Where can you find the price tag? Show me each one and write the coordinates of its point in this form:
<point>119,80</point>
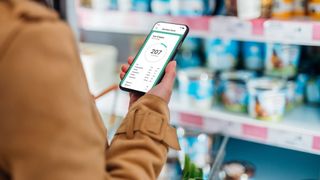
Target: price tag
<point>258,26</point>
<point>256,132</point>
<point>316,32</point>
<point>290,139</point>
<point>194,23</point>
<point>191,120</point>
<point>316,143</point>
<point>288,31</point>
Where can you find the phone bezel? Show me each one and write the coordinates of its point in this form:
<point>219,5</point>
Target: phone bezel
<point>171,58</point>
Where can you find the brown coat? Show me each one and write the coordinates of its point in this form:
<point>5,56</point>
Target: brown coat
<point>49,125</point>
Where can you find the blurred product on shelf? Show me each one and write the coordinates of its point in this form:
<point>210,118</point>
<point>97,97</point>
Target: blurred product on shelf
<point>210,6</point>
<point>267,99</point>
<point>189,54</point>
<point>295,91</point>
<point>134,5</point>
<point>244,9</point>
<point>99,63</point>
<point>114,5</point>
<point>161,7</point>
<point>85,3</point>
<point>100,4</point>
<point>266,8</point>
<point>196,86</point>
<point>282,59</point>
<point>290,92</point>
<point>314,9</point>
<point>300,89</point>
<point>172,169</point>
<point>188,59</point>
<point>234,93</point>
<point>249,9</point>
<point>254,55</point>
<point>198,146</point>
<point>124,5</point>
<point>188,8</point>
<point>313,90</point>
<point>231,7</point>
<point>141,5</point>
<point>222,54</point>
<point>220,7</point>
<point>299,8</point>
<point>237,170</point>
<point>314,53</point>
<point>282,9</point>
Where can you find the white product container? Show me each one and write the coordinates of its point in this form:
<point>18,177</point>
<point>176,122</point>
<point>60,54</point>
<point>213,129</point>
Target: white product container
<point>99,63</point>
<point>196,87</point>
<point>267,99</point>
<point>249,9</point>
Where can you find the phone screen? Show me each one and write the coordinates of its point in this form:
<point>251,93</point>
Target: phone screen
<point>158,49</point>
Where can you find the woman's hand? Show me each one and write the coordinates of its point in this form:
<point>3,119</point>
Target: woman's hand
<point>162,90</point>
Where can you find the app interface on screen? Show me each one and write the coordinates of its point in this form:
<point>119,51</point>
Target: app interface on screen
<point>154,55</point>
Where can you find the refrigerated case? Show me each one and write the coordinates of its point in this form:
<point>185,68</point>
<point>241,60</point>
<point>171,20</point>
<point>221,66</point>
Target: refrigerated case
<point>288,149</point>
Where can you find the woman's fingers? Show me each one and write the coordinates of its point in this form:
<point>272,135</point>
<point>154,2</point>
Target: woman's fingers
<point>124,68</point>
<point>130,60</point>
<point>164,89</point>
<point>169,76</point>
<point>122,75</point>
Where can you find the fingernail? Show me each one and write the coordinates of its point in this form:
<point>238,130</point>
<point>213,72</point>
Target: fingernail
<point>174,64</point>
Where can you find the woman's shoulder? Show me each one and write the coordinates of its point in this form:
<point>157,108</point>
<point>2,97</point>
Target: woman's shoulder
<point>32,11</point>
<point>25,18</point>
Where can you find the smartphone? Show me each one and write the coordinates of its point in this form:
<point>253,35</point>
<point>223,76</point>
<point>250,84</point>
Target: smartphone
<point>159,48</point>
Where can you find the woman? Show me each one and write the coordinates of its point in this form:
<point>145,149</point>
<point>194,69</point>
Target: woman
<point>49,125</point>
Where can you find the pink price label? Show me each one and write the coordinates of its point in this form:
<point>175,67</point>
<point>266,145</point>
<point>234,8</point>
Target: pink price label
<point>255,132</point>
<point>258,26</point>
<point>190,119</point>
<point>316,143</point>
<point>316,32</point>
<point>194,23</point>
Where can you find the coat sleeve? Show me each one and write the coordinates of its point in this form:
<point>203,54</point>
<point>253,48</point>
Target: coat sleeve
<point>139,148</point>
<point>50,123</point>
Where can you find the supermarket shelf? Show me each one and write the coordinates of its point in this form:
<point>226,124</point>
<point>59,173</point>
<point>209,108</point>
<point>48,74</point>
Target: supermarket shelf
<point>302,32</point>
<point>300,129</point>
<point>136,22</point>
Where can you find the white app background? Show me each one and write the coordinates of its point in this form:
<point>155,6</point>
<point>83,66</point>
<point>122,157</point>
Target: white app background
<point>151,60</point>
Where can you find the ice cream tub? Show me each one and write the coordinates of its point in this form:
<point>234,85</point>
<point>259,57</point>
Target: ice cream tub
<point>196,87</point>
<point>234,93</point>
<point>314,9</point>
<point>254,55</point>
<point>161,7</point>
<point>222,54</point>
<point>188,8</point>
<point>267,99</point>
<point>282,59</point>
<point>313,90</point>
